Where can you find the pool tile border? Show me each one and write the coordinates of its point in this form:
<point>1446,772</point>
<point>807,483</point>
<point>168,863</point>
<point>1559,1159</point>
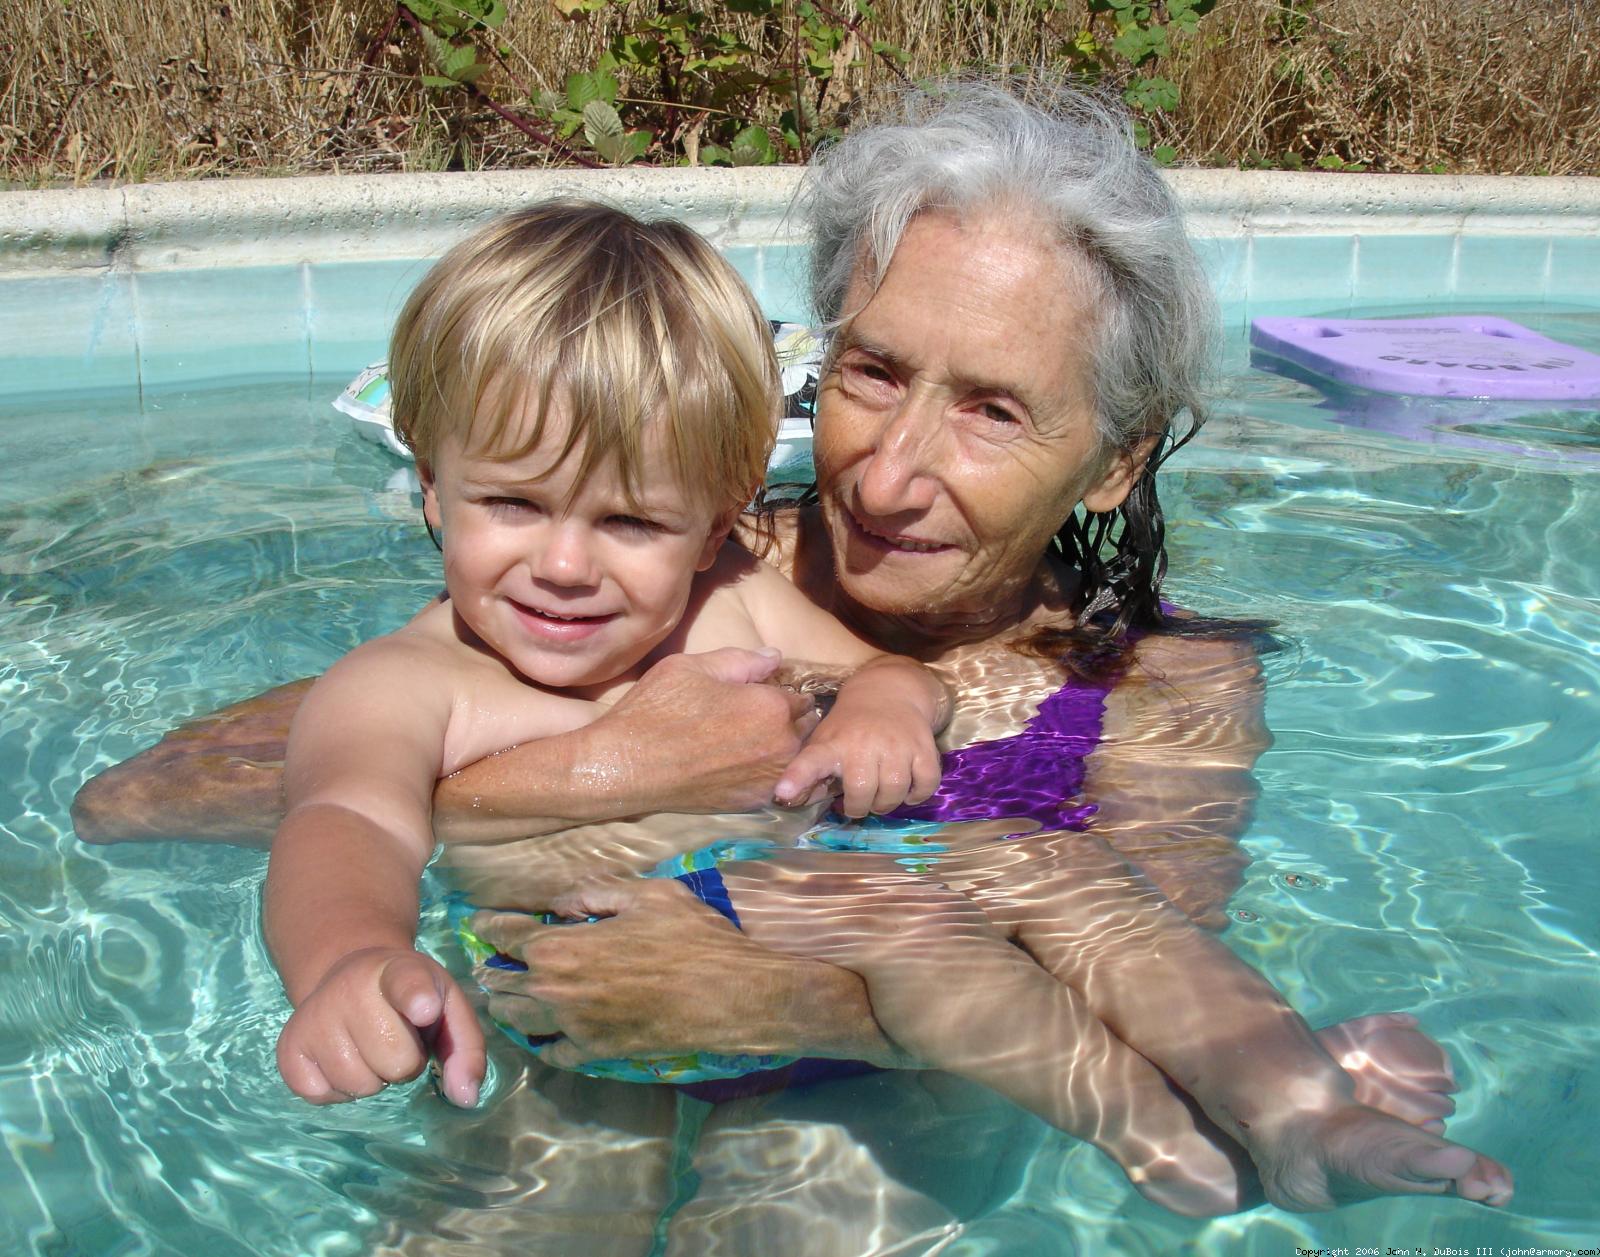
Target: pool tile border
<point>105,287</point>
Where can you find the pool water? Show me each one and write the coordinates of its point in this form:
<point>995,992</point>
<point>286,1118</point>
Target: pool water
<point>1424,839</point>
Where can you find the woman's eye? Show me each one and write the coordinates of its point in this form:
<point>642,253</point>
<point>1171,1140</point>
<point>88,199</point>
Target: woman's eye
<point>867,372</point>
<point>999,414</point>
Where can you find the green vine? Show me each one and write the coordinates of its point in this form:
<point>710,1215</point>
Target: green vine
<point>747,82</point>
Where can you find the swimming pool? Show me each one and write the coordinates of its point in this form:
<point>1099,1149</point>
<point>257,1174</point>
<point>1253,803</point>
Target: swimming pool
<point>1423,841</point>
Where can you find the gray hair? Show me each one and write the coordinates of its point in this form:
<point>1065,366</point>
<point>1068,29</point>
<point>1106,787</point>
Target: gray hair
<point>1064,157</point>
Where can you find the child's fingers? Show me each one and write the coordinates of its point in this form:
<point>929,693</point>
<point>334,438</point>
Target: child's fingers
<point>327,1072</point>
<point>458,1045</point>
<point>892,788</point>
<point>870,784</point>
<point>302,1074</point>
<point>926,772</point>
<point>814,764</point>
<point>412,987</point>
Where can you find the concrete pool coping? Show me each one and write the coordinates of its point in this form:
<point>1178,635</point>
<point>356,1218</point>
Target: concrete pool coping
<point>254,222</point>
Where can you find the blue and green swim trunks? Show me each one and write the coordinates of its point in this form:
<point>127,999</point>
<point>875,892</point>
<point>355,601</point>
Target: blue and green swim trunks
<point>700,872</point>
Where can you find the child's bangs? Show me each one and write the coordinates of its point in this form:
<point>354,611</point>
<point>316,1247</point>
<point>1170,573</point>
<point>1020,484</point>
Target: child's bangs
<point>567,383</point>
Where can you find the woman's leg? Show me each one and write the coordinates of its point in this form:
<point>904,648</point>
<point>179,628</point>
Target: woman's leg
<point>1209,1021</point>
<point>948,988</point>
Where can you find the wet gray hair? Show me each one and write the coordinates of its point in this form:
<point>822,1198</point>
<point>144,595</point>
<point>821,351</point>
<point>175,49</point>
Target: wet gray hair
<point>1067,160</point>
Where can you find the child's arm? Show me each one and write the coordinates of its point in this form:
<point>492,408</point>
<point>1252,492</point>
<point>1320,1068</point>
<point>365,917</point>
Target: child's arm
<point>341,900</point>
<point>878,739</point>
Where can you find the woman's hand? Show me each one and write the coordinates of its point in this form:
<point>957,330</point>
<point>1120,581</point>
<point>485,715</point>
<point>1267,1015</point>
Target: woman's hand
<point>664,974</point>
<point>698,733</point>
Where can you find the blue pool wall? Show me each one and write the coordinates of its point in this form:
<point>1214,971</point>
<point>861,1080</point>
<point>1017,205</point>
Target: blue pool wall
<point>156,286</point>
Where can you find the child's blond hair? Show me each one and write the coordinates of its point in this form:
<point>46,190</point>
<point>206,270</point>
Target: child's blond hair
<point>623,322</point>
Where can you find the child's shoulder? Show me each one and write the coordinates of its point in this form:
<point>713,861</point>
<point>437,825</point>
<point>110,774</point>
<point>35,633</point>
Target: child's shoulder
<point>425,649</point>
<point>737,573</point>
<point>728,602</point>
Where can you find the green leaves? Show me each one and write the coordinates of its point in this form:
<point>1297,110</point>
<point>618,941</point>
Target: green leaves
<point>752,147</point>
<point>603,129</point>
<point>1152,94</point>
<point>1123,42</point>
<point>748,82</point>
<point>457,17</point>
<point>596,84</point>
<point>741,83</point>
<point>457,64</point>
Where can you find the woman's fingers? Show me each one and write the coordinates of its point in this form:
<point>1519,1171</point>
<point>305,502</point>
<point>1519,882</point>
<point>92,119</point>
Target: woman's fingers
<point>522,1012</point>
<point>563,1054</point>
<point>610,896</point>
<point>734,666</point>
<point>507,932</point>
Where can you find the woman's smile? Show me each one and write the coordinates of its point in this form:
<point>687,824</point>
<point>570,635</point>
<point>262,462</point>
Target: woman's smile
<point>888,540</point>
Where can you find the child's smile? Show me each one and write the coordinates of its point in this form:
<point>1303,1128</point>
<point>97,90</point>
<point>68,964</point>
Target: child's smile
<point>572,584</point>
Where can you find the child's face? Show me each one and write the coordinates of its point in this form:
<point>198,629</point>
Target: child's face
<point>567,582</point>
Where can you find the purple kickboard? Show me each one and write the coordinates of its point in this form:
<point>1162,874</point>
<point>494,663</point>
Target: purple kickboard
<point>1465,356</point>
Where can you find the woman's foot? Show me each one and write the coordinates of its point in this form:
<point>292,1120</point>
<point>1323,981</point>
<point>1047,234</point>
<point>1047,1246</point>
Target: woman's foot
<point>1396,1068</point>
<point>1398,1073</point>
<point>1315,1161</point>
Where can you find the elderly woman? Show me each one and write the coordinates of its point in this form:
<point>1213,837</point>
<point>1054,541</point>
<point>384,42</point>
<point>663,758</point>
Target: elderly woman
<point>1017,318</point>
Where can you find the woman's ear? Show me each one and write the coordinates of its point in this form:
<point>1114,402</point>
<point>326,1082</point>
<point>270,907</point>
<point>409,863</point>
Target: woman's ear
<point>1117,480</point>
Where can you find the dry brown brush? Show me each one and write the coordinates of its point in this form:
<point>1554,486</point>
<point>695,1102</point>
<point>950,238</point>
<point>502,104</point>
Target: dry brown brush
<point>107,89</point>
<point>1472,86</point>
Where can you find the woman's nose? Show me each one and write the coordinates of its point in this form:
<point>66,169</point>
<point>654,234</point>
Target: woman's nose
<point>566,556</point>
<point>899,472</point>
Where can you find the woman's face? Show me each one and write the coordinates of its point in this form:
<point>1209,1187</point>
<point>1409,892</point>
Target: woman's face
<point>955,431</point>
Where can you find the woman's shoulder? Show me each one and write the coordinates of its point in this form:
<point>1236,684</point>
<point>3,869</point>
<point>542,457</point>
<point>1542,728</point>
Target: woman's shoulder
<point>1179,653</point>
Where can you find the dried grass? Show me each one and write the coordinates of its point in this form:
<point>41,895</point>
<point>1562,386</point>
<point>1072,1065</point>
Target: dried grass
<point>105,89</point>
<point>1470,86</point>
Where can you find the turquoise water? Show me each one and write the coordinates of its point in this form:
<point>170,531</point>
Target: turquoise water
<point>1424,839</point>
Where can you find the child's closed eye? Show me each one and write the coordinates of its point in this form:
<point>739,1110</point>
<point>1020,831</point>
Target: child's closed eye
<point>510,504</point>
<point>635,524</point>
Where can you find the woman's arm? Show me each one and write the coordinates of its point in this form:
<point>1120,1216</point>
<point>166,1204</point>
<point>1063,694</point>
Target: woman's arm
<point>693,735</point>
<point>1173,775</point>
<point>662,973</point>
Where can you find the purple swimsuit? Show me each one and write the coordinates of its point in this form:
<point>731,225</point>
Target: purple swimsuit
<point>1034,774</point>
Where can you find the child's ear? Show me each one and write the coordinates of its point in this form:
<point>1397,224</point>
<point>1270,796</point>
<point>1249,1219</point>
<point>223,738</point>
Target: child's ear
<point>720,528</point>
<point>1116,482</point>
<point>430,496</point>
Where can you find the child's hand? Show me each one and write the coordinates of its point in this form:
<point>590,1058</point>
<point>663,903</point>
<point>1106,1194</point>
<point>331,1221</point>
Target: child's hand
<point>373,1020</point>
<point>882,758</point>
